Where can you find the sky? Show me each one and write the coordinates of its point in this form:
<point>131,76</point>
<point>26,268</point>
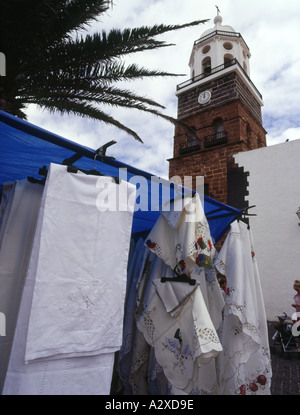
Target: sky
<point>270,28</point>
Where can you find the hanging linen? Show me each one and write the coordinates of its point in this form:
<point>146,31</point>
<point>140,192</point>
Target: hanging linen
<point>82,266</point>
<point>244,366</point>
<point>180,320</point>
<point>7,194</point>
<point>135,264</point>
<point>73,302</point>
<point>19,209</point>
<point>145,375</point>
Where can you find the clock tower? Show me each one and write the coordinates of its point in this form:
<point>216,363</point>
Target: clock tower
<point>221,107</point>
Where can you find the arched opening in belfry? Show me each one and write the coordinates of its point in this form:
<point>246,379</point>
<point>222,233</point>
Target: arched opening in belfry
<point>228,59</point>
<point>206,65</point>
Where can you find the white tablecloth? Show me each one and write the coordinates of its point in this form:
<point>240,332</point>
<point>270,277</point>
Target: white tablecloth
<point>180,321</point>
<point>81,270</point>
<point>245,364</point>
<point>73,299</point>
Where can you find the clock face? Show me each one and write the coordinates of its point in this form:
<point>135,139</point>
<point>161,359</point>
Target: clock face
<point>204,97</point>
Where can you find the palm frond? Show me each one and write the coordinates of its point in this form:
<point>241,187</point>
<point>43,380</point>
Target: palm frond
<point>32,25</point>
<point>118,42</point>
<point>86,110</point>
<point>50,67</point>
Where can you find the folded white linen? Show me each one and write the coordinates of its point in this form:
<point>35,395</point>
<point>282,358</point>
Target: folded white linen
<point>81,268</point>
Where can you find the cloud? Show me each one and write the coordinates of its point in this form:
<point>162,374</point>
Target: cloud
<point>270,29</point>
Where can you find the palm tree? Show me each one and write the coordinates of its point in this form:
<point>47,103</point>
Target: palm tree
<point>50,63</point>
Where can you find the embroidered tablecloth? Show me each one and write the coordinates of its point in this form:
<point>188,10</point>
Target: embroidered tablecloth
<point>244,367</point>
<point>177,321</point>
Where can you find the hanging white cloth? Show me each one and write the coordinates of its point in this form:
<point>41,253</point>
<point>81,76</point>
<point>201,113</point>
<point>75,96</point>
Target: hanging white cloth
<point>19,209</point>
<point>7,195</point>
<point>244,366</point>
<point>79,293</point>
<point>136,266</point>
<point>177,320</point>
<point>73,299</point>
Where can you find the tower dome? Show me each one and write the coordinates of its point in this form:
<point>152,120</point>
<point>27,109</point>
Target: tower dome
<point>218,26</point>
<point>218,46</point>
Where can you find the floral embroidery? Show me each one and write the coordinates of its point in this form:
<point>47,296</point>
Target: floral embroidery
<point>204,261</point>
<point>151,244</point>
<point>181,264</point>
<point>254,386</point>
<point>201,243</point>
<point>79,307</point>
<point>261,379</point>
<point>199,258</point>
<point>230,290</point>
<point>176,346</point>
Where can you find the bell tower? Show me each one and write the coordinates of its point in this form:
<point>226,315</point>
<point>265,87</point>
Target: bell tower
<point>222,108</point>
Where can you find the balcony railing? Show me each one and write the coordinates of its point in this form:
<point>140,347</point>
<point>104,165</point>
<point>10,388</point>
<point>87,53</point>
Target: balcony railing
<point>212,140</point>
<point>215,139</point>
<point>215,70</point>
<point>219,33</point>
<point>190,146</point>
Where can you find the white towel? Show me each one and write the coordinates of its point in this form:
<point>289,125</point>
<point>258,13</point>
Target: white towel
<point>78,299</point>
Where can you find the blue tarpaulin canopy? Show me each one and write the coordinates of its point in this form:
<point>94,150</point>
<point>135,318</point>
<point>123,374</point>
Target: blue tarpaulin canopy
<point>25,149</point>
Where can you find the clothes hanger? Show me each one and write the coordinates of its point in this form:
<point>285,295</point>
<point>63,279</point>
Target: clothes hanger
<point>244,215</point>
<point>42,172</point>
<point>73,169</point>
<point>100,153</point>
<point>179,277</point>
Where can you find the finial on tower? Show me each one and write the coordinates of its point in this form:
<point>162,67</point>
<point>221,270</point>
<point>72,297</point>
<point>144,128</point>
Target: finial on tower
<point>218,19</point>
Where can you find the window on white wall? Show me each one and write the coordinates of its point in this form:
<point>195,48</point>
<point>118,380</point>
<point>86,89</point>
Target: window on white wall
<point>227,45</point>
<point>205,49</point>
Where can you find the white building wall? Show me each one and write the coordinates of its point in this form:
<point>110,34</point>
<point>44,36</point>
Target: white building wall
<point>274,187</point>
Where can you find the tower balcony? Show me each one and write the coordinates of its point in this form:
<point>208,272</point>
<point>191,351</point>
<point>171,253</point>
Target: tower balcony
<point>228,66</point>
<point>190,146</point>
<point>216,139</point>
<point>212,140</point>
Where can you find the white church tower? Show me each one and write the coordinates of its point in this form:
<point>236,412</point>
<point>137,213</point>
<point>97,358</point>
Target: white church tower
<point>222,108</point>
<point>218,47</point>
